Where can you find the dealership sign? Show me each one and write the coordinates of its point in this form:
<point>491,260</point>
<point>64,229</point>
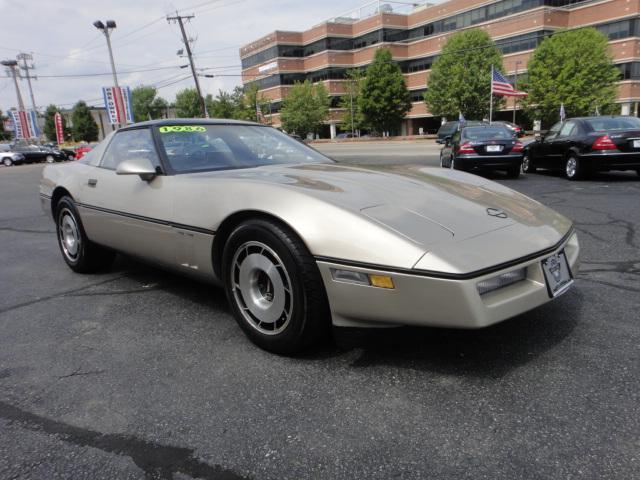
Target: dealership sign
<point>25,124</point>
<point>117,101</point>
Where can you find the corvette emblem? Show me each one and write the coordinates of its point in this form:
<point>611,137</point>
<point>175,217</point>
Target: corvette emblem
<point>496,212</point>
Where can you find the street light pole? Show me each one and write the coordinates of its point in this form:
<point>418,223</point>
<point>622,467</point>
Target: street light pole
<point>106,29</point>
<point>12,66</point>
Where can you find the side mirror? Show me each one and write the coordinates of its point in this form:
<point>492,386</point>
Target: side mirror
<point>137,166</point>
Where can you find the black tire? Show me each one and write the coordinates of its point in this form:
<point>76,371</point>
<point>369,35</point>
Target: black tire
<point>86,257</point>
<point>71,158</point>
<point>574,169</point>
<point>527,164</point>
<point>7,161</point>
<point>304,319</point>
<point>513,172</point>
<point>638,172</point>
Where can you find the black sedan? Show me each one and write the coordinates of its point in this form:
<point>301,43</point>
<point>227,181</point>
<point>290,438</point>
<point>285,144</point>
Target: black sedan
<point>581,146</point>
<point>448,129</point>
<point>34,153</point>
<point>482,148</point>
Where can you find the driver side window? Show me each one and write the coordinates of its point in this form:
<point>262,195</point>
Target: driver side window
<point>130,144</point>
<point>553,132</point>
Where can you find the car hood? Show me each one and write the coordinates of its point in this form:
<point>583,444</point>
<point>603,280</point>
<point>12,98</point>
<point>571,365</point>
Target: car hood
<point>442,211</point>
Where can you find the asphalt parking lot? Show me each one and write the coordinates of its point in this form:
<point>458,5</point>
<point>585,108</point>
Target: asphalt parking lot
<point>136,373</point>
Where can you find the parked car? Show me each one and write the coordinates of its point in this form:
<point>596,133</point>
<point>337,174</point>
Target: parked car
<point>448,129</point>
<point>81,150</point>
<point>517,130</point>
<point>344,135</point>
<point>34,153</point>
<point>299,242</point>
<point>8,158</point>
<point>483,147</point>
<point>581,146</point>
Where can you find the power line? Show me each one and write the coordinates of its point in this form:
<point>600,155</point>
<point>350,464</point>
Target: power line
<point>101,74</point>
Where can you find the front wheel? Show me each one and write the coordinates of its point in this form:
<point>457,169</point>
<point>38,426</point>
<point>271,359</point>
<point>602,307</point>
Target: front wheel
<point>527,164</point>
<point>274,287</point>
<point>7,162</point>
<point>49,159</point>
<point>79,253</point>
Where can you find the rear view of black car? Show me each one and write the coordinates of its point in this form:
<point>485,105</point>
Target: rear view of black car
<point>581,146</point>
<point>483,148</point>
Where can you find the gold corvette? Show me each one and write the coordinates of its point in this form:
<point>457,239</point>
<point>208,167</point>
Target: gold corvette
<point>300,242</point>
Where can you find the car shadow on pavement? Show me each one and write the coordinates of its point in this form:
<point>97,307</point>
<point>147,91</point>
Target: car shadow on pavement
<point>488,352</point>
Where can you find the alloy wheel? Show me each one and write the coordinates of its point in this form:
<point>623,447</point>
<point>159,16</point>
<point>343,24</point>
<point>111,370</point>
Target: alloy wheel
<point>261,288</point>
<point>571,167</point>
<point>69,233</point>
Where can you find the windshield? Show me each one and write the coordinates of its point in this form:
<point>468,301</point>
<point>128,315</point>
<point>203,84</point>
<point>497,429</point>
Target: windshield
<point>613,123</point>
<point>486,133</point>
<point>193,148</point>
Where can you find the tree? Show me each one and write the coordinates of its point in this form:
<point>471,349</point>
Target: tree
<point>3,134</point>
<point>305,108</point>
<point>188,104</point>
<point>50,123</point>
<point>224,105</point>
<point>384,98</point>
<point>460,78</point>
<point>349,102</point>
<point>146,105</point>
<point>84,127</point>
<point>248,102</point>
<point>572,68</point>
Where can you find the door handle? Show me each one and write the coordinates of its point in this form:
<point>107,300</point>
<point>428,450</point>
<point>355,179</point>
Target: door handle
<point>92,182</point>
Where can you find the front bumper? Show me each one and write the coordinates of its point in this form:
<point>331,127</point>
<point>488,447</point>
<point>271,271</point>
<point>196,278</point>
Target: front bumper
<point>488,162</point>
<point>424,300</point>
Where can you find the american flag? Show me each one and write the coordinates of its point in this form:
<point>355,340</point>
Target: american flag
<point>500,86</point>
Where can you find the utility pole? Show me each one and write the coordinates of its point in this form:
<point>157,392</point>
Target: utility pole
<point>178,18</point>
<point>12,66</point>
<point>26,67</point>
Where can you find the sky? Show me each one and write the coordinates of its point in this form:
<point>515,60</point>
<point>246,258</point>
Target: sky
<point>63,41</point>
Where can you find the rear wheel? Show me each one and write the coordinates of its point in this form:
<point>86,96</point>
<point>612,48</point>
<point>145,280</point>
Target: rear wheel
<point>274,288</point>
<point>80,253</point>
<point>573,168</point>
<point>49,159</point>
<point>7,162</point>
<point>527,164</point>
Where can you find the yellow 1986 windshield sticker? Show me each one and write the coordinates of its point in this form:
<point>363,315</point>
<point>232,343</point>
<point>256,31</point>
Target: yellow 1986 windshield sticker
<point>182,128</point>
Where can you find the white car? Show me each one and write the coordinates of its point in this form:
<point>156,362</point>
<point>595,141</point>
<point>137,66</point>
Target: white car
<point>300,242</point>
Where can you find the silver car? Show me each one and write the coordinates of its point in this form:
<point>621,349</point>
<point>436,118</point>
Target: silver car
<point>299,242</point>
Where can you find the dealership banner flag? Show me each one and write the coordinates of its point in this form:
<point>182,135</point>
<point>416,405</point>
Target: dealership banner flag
<point>117,101</point>
<point>25,124</point>
<point>57,118</point>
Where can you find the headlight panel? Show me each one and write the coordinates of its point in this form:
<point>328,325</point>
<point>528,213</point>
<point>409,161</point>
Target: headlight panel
<point>501,281</point>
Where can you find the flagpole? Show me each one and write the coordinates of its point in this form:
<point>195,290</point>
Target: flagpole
<point>491,97</point>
